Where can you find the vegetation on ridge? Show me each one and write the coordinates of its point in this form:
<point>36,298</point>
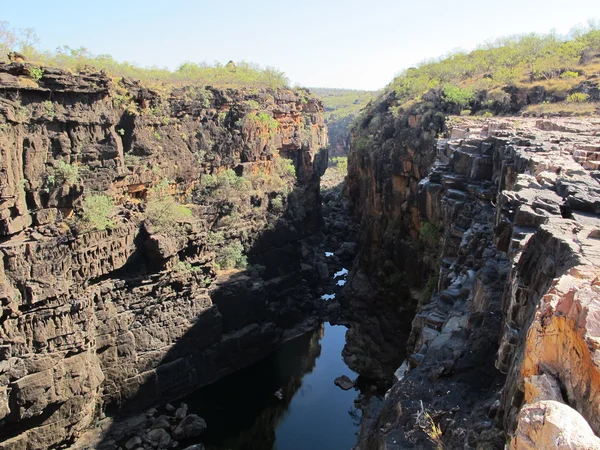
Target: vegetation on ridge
<point>79,59</point>
<point>340,103</point>
<point>558,64</point>
<point>341,107</point>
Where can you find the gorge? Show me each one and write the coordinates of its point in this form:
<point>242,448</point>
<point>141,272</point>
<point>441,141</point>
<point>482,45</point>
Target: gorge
<point>179,264</point>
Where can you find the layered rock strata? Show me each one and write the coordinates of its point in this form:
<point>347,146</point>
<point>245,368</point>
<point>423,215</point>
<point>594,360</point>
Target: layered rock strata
<point>135,314</point>
<point>511,323</point>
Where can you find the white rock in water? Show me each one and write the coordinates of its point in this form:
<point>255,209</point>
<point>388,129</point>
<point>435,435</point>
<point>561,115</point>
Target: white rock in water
<point>341,282</point>
<point>328,254</point>
<point>327,296</point>
<point>341,273</point>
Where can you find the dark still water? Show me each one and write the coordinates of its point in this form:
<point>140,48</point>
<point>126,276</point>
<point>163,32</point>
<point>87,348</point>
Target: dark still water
<point>243,412</point>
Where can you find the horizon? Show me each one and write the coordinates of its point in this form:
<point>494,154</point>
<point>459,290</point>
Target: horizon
<point>330,55</point>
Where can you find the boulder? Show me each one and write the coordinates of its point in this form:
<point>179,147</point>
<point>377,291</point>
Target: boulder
<point>344,382</point>
<point>189,427</point>
<point>134,442</point>
<point>552,425</point>
<point>181,411</point>
<point>161,422</point>
<point>158,438</point>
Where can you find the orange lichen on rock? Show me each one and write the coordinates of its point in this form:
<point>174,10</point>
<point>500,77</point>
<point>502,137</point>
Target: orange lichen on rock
<point>563,340</point>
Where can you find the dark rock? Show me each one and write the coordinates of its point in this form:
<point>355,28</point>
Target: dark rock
<point>181,411</point>
<point>344,382</point>
<point>133,443</point>
<point>158,438</point>
<point>323,271</point>
<point>170,408</point>
<point>189,427</point>
<point>161,422</point>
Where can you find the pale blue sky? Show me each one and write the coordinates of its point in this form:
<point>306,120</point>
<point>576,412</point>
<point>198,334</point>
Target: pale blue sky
<point>337,43</point>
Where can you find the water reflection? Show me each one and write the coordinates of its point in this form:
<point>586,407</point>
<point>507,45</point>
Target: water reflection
<point>243,411</point>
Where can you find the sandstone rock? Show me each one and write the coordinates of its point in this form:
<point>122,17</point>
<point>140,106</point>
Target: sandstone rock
<point>548,425</point>
<point>344,382</point>
<point>189,427</point>
<point>542,387</point>
<point>4,407</point>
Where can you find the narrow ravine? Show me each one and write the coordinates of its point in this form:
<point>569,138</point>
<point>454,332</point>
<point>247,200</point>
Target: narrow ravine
<point>244,412</point>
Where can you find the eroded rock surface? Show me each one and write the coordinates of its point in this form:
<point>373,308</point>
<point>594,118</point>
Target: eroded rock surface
<point>134,315</point>
<point>513,313</point>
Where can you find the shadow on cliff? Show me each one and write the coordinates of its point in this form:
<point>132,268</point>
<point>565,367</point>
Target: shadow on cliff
<point>249,315</point>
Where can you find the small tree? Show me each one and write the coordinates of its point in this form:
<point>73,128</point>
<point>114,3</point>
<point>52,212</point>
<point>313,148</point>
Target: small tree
<point>231,256</point>
<point>460,97</point>
<point>162,210</point>
<point>97,213</point>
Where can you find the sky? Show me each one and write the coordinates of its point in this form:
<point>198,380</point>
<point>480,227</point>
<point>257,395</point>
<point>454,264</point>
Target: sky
<point>327,43</point>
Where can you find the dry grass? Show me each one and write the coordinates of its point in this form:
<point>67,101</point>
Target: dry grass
<point>562,109</point>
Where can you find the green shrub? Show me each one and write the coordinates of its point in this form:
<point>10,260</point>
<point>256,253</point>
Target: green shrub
<point>459,96</point>
<point>277,204</point>
<point>36,73</point>
<point>267,120</point>
<point>162,210</point>
<point>224,181</point>
<point>231,256</point>
<point>465,112</point>
<point>568,75</point>
<point>341,163</point>
<point>578,97</point>
<point>97,212</point>
<point>49,110</point>
<point>215,238</point>
<point>186,267</point>
<point>62,174</point>
<point>252,104</point>
<point>285,167</point>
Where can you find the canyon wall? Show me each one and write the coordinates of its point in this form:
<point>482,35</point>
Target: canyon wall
<point>495,230</point>
<point>134,313</point>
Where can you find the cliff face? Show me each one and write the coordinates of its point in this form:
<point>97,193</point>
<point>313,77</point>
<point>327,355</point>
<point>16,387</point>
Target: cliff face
<point>389,157</point>
<point>506,215</point>
<point>135,313</point>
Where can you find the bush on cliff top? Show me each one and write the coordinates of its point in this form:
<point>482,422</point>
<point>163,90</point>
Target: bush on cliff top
<point>76,59</point>
<point>510,60</point>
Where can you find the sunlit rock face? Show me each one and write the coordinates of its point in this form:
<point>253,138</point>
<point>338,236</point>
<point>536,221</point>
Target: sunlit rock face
<point>134,314</point>
<point>504,215</point>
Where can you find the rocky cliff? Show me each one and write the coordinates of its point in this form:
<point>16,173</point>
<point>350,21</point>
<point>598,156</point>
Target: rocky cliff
<point>494,231</point>
<point>130,304</point>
